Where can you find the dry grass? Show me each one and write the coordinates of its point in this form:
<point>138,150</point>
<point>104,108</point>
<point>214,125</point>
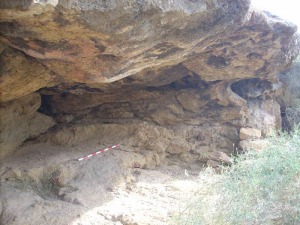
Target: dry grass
<point>46,187</point>
<point>260,188</point>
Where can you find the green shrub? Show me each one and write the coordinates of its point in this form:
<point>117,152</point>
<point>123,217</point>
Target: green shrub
<point>260,188</point>
<point>293,116</point>
<point>290,100</point>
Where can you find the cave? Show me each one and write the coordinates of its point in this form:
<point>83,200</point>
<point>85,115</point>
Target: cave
<point>95,94</point>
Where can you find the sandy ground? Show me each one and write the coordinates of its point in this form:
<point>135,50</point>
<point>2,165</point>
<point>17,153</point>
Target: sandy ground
<point>44,184</point>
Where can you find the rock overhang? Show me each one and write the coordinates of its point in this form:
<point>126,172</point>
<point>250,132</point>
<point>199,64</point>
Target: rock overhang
<point>97,44</point>
<point>102,42</point>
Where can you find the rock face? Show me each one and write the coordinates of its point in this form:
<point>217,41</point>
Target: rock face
<point>21,74</point>
<point>175,78</point>
<point>179,83</point>
<point>101,42</point>
<point>20,121</point>
<point>249,133</point>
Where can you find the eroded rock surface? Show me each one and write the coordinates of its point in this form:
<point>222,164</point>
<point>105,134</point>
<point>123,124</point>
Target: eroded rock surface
<point>194,72</point>
<point>21,121</point>
<point>101,42</point>
<point>21,74</point>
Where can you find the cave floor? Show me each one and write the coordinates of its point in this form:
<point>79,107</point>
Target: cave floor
<point>44,184</point>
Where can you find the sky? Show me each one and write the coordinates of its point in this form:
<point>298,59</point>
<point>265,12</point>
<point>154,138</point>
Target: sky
<point>287,9</point>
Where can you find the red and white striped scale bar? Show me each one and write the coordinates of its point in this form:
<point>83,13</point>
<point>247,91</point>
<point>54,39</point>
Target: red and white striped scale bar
<point>100,151</point>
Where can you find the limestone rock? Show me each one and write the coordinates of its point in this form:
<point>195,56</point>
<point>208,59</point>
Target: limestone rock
<point>222,56</point>
<point>264,115</point>
<point>217,156</point>
<point>61,119</point>
<point>224,95</point>
<point>151,137</point>
<point>167,80</point>
<point>249,133</point>
<point>140,73</point>
<point>21,75</point>
<point>164,117</point>
<point>257,88</point>
<point>140,43</point>
<point>178,147</point>
<point>134,160</point>
<point>191,100</point>
<point>20,121</point>
<point>187,157</point>
<point>209,138</point>
<point>109,133</point>
<point>152,159</point>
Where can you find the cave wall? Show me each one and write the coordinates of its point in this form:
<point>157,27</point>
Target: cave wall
<point>191,79</point>
<point>190,118</point>
<point>21,121</point>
